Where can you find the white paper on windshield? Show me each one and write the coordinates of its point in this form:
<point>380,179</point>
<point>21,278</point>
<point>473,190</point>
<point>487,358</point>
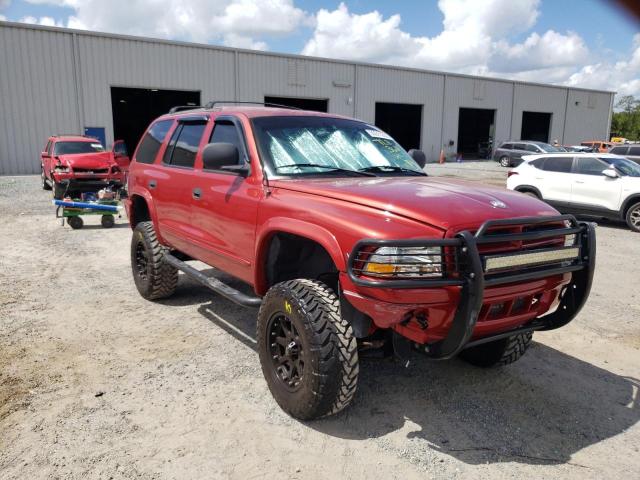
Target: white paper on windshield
<point>96,145</point>
<point>377,134</point>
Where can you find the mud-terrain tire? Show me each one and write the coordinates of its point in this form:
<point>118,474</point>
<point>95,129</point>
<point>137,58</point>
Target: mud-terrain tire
<point>45,184</point>
<point>59,190</point>
<point>299,321</point>
<point>153,277</point>
<point>499,352</point>
<point>505,161</point>
<point>633,217</point>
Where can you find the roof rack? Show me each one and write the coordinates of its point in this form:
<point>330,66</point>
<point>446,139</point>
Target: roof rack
<point>182,108</point>
<point>213,103</point>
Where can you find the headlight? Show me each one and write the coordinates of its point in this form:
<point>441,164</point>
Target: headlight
<point>62,169</point>
<point>407,262</point>
<point>115,169</point>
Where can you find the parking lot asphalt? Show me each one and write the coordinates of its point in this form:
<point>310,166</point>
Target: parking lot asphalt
<point>96,382</point>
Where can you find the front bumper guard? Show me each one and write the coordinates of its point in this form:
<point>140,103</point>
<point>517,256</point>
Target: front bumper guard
<point>472,278</point>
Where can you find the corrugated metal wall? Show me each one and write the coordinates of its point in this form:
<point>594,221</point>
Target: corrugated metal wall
<point>58,81</point>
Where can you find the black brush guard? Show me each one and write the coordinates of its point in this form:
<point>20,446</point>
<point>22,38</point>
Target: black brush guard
<point>471,277</point>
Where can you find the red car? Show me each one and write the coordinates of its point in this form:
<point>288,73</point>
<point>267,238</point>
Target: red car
<point>345,244</point>
<point>71,164</point>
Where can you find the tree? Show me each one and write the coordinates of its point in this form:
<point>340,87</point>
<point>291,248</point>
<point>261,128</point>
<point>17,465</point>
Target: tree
<point>625,121</point>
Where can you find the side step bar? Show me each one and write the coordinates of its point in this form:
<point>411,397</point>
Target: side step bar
<point>214,284</point>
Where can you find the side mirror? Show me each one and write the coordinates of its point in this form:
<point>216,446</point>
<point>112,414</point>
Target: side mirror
<point>610,173</point>
<point>223,156</point>
<point>419,157</point>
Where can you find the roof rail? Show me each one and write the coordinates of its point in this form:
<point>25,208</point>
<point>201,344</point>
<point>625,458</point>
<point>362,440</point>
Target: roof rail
<point>72,135</point>
<point>182,108</point>
<point>213,103</point>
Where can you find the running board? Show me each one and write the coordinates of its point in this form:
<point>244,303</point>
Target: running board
<point>214,284</point>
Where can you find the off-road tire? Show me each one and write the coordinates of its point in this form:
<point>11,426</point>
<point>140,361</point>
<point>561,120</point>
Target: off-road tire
<point>330,351</point>
<point>75,222</point>
<point>499,352</point>
<point>505,161</point>
<point>59,190</point>
<point>157,279</point>
<point>45,184</point>
<point>107,221</point>
<point>633,217</point>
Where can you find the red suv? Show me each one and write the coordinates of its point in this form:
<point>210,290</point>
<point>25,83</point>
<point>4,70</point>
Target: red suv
<point>346,243</point>
<point>72,164</point>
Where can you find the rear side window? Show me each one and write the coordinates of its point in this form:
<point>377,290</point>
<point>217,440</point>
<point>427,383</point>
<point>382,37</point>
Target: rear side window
<point>226,132</point>
<point>558,164</point>
<point>518,146</point>
<point>183,147</point>
<point>634,151</point>
<point>589,166</point>
<point>152,140</point>
<point>507,146</point>
<point>539,163</point>
<point>619,150</point>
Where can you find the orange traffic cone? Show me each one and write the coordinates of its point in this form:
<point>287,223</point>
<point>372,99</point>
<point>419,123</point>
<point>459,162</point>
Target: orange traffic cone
<point>441,159</point>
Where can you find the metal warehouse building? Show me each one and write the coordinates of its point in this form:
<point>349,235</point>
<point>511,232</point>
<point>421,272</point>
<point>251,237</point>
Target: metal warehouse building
<point>55,80</point>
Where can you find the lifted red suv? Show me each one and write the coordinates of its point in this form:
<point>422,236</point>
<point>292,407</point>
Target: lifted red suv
<point>72,164</point>
<point>347,243</point>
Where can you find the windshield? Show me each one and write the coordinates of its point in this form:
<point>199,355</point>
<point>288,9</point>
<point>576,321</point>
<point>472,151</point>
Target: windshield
<point>623,165</point>
<point>312,145</point>
<point>69,148</point>
<point>550,148</point>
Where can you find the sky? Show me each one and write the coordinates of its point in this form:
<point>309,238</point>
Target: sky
<point>583,43</point>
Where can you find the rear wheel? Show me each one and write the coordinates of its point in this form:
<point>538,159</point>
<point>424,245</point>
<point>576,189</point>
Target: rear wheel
<point>107,221</point>
<point>308,353</point>
<point>153,277</point>
<point>531,194</point>
<point>499,352</point>
<point>633,217</point>
<point>505,161</point>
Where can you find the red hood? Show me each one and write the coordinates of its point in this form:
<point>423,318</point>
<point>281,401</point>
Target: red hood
<point>88,160</point>
<point>438,202</point>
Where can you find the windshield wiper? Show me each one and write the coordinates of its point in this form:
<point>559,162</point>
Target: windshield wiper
<point>328,168</point>
<point>391,168</point>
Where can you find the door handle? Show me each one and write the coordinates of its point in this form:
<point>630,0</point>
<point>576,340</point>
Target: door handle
<point>152,184</point>
<point>196,193</point>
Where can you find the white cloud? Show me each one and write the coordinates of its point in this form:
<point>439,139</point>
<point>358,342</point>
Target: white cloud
<point>474,39</point>
<point>236,22</point>
<point>47,21</point>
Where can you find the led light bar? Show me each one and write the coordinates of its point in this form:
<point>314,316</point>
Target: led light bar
<point>501,262</point>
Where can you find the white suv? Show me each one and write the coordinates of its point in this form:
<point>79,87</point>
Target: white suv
<point>596,184</point>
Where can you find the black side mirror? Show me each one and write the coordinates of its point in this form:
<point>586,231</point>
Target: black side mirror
<point>419,157</point>
<point>223,156</point>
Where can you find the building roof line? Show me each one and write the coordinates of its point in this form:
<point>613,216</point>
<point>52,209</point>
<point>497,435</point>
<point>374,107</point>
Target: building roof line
<point>182,43</point>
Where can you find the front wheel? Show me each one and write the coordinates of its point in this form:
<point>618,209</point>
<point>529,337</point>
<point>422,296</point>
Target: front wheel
<point>633,217</point>
<point>499,352</point>
<point>59,190</point>
<point>505,161</point>
<point>153,277</point>
<point>308,353</point>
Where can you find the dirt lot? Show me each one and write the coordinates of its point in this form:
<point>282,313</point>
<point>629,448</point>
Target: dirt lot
<point>96,382</point>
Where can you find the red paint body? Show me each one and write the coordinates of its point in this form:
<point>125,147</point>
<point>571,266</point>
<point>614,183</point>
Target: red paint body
<point>96,166</point>
<point>230,226</point>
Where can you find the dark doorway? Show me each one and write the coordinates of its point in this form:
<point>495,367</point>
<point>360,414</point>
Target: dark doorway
<point>402,121</point>
<point>313,104</point>
<point>475,132</point>
<point>135,108</point>
<point>535,126</point>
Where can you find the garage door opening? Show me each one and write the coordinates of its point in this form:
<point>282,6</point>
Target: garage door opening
<point>135,108</point>
<point>476,128</point>
<point>535,126</point>
<point>314,104</point>
<point>402,121</point>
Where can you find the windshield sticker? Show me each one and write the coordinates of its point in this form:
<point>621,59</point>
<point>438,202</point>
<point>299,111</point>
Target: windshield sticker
<point>377,133</point>
<point>96,145</point>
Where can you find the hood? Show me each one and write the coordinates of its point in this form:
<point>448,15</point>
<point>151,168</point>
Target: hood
<point>88,160</point>
<point>442,203</point>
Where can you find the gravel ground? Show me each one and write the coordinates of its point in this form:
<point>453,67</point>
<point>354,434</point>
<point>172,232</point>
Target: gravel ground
<point>96,382</point>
